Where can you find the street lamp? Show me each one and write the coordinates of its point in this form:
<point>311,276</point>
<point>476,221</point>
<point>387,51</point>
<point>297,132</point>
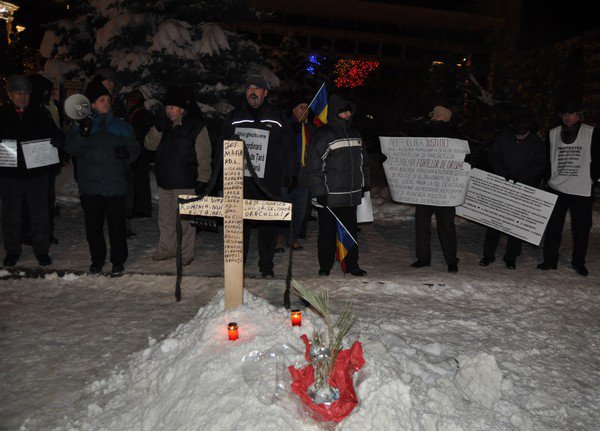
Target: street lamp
<point>6,13</point>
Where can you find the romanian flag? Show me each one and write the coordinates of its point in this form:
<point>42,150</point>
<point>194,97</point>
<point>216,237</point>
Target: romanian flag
<point>302,143</point>
<point>344,241</point>
<point>319,106</point>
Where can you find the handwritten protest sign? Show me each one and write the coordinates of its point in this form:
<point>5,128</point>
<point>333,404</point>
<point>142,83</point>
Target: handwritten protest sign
<point>39,153</point>
<point>513,208</point>
<point>8,153</point>
<point>426,171</point>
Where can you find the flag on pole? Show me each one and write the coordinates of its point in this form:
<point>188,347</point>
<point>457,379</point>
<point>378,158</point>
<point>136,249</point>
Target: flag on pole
<point>344,242</point>
<point>302,143</point>
<point>319,106</point>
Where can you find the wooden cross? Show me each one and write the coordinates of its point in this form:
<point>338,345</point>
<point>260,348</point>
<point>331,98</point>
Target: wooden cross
<point>234,209</point>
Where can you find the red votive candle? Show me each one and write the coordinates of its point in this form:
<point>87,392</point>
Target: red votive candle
<point>232,331</point>
<point>296,318</point>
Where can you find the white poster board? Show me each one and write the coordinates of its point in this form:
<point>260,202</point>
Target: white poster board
<point>426,171</point>
<point>8,153</point>
<point>39,153</point>
<point>364,212</point>
<point>513,208</point>
<point>257,142</point>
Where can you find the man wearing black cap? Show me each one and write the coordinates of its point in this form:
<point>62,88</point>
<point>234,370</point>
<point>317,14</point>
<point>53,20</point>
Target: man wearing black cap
<point>183,167</point>
<point>268,137</point>
<point>104,146</point>
<point>517,154</point>
<point>575,167</point>
<point>21,122</point>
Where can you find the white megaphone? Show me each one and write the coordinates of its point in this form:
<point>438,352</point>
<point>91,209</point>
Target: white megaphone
<point>77,107</point>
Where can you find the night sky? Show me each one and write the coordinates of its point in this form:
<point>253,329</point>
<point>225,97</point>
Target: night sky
<point>543,21</point>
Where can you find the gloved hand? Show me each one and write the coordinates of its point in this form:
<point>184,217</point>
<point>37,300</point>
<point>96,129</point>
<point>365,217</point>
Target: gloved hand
<point>161,122</point>
<point>58,140</point>
<point>322,200</point>
<point>201,189</point>
<point>85,126</point>
<point>291,185</point>
<point>121,152</point>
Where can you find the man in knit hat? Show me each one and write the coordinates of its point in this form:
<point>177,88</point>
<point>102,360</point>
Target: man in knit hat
<point>104,147</point>
<point>21,122</point>
<point>183,166</point>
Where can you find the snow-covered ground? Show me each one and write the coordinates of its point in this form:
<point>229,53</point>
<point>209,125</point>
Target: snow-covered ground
<point>487,348</point>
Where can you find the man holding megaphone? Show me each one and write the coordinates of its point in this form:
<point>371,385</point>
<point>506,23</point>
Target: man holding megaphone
<point>104,146</point>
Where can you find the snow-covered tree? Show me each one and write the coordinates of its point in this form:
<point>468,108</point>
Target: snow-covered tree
<point>153,44</point>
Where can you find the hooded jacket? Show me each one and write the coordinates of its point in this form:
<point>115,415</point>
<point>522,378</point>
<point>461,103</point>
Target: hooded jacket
<point>337,163</point>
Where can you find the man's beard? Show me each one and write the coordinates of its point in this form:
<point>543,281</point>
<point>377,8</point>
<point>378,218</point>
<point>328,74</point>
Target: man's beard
<point>254,101</point>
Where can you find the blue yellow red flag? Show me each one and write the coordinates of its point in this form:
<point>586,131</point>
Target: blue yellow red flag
<point>319,106</point>
<point>344,242</point>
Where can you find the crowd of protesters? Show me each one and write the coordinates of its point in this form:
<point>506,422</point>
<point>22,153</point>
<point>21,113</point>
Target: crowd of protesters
<point>113,146</point>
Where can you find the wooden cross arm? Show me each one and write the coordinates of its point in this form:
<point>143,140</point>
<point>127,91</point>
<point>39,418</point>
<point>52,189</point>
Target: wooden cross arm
<point>254,209</point>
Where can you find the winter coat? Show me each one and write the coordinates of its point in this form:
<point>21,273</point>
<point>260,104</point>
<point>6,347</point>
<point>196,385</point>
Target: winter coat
<point>280,159</point>
<point>522,161</point>
<point>100,171</point>
<point>176,156</point>
<point>337,163</point>
<point>32,124</point>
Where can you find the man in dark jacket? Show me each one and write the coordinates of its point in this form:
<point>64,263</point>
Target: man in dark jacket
<point>105,147</point>
<point>268,137</point>
<point>520,155</point>
<point>439,126</point>
<point>183,166</point>
<point>140,193</point>
<point>338,176</point>
<point>21,122</point>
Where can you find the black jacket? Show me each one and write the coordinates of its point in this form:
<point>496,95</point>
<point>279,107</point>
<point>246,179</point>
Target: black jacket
<point>31,125</point>
<point>522,161</point>
<point>175,158</point>
<point>280,160</point>
<point>337,162</point>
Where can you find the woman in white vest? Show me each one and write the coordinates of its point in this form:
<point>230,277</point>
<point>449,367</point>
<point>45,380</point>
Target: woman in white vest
<point>574,160</point>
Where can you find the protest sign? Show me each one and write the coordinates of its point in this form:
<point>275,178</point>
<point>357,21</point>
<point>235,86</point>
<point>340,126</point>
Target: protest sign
<point>39,153</point>
<point>257,143</point>
<point>426,171</point>
<point>513,208</point>
<point>8,153</point>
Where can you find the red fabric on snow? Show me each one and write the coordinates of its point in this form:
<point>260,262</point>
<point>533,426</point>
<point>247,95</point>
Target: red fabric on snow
<point>347,362</point>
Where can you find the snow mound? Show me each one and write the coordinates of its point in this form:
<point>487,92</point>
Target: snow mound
<point>197,379</point>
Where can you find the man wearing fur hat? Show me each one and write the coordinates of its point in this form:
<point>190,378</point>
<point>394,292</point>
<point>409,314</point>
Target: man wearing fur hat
<point>183,167</point>
<point>104,146</point>
<point>269,139</point>
<point>575,167</point>
<point>20,121</point>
